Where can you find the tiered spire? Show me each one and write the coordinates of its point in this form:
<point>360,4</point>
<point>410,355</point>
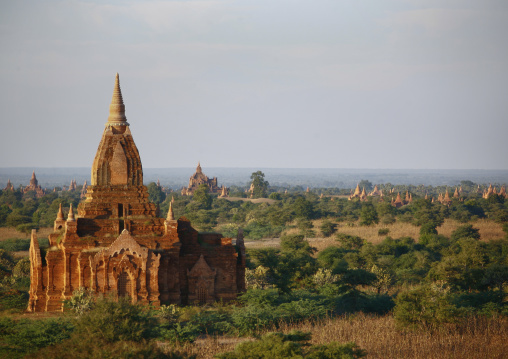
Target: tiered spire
<point>33,180</point>
<point>70,217</point>
<point>117,107</point>
<point>60,212</point>
<point>456,193</point>
<point>171,214</point>
<point>198,168</point>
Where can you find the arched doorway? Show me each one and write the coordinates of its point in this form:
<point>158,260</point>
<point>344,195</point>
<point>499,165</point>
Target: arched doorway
<point>124,285</point>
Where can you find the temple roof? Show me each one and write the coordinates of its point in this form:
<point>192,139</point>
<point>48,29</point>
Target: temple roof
<point>117,107</point>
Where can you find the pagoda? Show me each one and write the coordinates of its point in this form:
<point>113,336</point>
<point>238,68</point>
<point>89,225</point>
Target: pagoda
<point>199,178</point>
<point>34,186</point>
<point>117,243</point>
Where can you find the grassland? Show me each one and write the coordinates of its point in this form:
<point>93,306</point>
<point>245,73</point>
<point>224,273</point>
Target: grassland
<point>479,338</point>
<point>489,230</point>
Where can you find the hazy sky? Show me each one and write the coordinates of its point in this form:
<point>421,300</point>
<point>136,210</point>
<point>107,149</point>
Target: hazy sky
<point>260,83</point>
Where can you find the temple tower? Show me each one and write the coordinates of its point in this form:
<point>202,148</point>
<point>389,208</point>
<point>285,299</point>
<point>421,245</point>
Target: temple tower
<point>118,244</point>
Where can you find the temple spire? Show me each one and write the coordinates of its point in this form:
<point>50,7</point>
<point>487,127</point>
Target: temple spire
<point>171,215</point>
<point>198,168</point>
<point>60,213</point>
<point>70,217</point>
<point>117,107</point>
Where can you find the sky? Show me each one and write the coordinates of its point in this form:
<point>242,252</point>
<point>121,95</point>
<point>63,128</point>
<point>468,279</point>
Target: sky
<point>261,83</point>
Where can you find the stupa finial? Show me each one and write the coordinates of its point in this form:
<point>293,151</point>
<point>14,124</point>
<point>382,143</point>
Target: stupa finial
<point>70,217</point>
<point>59,215</point>
<point>171,215</point>
<point>117,107</point>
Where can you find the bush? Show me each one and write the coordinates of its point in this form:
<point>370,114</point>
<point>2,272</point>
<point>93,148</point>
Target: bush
<point>26,227</point>
<point>335,350</point>
<point>383,231</point>
<point>328,228</point>
<point>466,231</point>
<point>11,298</point>
<point>82,301</point>
<point>275,195</point>
<point>270,346</point>
<point>25,336</point>
<point>293,345</point>
<point>79,347</point>
<point>15,244</point>
<point>425,307</point>
<point>112,321</point>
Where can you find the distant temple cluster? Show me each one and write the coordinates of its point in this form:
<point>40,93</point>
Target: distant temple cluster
<point>199,178</point>
<point>362,194</point>
<point>492,190</point>
<point>40,192</point>
<point>399,202</point>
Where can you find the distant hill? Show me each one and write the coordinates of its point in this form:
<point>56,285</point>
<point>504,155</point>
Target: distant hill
<point>286,177</point>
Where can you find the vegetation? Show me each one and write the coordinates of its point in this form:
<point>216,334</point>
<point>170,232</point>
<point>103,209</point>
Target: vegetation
<point>382,277</point>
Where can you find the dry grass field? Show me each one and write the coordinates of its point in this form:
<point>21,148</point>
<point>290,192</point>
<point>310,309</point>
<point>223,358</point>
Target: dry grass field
<point>380,337</point>
<point>488,230</point>
<point>6,233</point>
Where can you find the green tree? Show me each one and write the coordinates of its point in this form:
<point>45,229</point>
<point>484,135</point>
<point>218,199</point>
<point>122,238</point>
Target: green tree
<point>466,231</point>
<point>303,208</point>
<point>289,266</point>
<point>496,275</point>
<point>202,196</point>
<point>328,228</point>
<point>425,307</point>
<point>366,184</point>
<point>155,193</point>
<point>368,215</point>
<point>259,184</point>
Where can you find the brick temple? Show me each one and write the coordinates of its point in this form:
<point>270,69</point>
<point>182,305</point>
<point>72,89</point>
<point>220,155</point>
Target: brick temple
<point>117,243</point>
<point>199,178</point>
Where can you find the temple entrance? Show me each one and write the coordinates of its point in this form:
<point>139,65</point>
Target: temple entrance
<point>202,297</point>
<point>124,285</point>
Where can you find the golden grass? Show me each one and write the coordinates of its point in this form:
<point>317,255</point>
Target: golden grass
<point>379,336</point>
<point>7,232</point>
<point>489,230</point>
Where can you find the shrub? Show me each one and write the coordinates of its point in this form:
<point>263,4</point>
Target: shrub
<point>275,195</point>
<point>81,301</point>
<point>425,307</point>
<point>428,228</point>
<point>271,345</point>
<point>335,350</point>
<point>22,268</point>
<point>79,347</point>
<point>25,336</point>
<point>15,244</point>
<point>11,298</point>
<point>293,345</point>
<point>328,228</point>
<point>112,321</point>
<point>383,231</point>
<point>466,231</point>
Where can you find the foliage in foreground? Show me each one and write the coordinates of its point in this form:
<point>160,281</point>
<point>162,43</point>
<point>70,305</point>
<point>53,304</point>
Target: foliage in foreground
<point>294,346</point>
